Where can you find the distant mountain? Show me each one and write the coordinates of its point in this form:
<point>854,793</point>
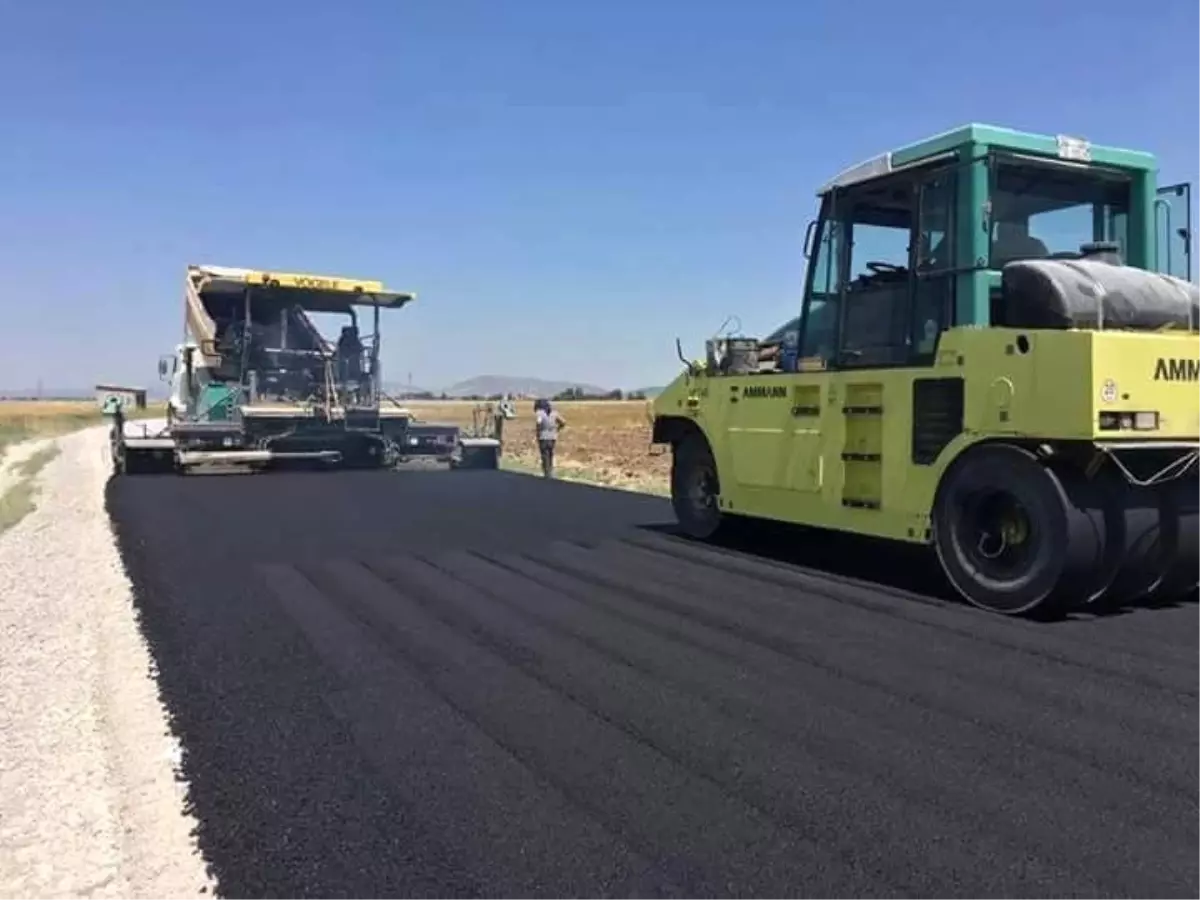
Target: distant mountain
<point>514,385</point>
<point>407,390</point>
<point>489,385</point>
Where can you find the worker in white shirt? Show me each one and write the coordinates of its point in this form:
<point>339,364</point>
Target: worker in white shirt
<point>548,424</point>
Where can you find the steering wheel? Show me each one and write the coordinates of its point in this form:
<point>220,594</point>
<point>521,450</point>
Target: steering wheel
<point>880,267</point>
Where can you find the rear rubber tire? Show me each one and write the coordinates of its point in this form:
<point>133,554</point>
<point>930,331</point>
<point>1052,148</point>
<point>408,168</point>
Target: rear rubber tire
<point>1180,537</point>
<point>1137,532</point>
<point>1053,538</point>
<point>695,488</point>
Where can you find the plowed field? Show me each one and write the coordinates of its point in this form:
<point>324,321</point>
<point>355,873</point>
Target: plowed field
<point>606,442</point>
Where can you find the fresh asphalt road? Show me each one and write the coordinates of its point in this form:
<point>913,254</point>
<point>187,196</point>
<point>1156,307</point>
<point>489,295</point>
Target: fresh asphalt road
<point>478,683</point>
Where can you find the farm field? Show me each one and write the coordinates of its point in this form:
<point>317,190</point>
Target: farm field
<point>22,420</point>
<point>605,441</point>
<point>28,419</point>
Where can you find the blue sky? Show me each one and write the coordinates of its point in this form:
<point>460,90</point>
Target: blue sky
<point>566,185</point>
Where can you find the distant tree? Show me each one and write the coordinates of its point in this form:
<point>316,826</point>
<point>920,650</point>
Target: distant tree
<point>636,395</point>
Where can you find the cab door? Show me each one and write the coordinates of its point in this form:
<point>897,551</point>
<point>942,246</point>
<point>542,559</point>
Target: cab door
<point>898,298</point>
<point>814,425</point>
<point>1173,231</point>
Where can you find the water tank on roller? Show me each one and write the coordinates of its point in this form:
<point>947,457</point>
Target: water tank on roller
<point>1102,251</point>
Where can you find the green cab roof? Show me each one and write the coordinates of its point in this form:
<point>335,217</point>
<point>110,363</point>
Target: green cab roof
<point>1064,147</point>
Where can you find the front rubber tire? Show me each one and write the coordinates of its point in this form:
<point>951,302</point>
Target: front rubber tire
<point>695,488</point>
<point>1001,498</point>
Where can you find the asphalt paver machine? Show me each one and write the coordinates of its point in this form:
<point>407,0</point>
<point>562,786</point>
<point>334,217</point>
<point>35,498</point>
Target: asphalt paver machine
<point>256,384</point>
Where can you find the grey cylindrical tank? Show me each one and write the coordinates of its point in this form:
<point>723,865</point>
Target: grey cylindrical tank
<point>1088,293</point>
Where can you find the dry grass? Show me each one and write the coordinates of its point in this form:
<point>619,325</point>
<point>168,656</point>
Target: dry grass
<point>21,497</point>
<point>604,441</point>
<point>22,420</point>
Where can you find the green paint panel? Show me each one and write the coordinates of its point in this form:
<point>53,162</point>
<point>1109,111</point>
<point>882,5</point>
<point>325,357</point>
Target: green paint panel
<point>216,402</point>
<point>1018,141</point>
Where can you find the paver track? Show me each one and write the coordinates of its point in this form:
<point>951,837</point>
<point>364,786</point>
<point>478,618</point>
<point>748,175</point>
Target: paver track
<point>483,684</point>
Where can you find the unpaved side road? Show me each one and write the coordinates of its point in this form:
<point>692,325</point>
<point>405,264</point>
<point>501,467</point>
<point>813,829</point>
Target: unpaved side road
<point>89,802</point>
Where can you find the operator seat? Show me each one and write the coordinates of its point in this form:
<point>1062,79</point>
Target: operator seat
<point>1013,241</point>
<point>349,351</point>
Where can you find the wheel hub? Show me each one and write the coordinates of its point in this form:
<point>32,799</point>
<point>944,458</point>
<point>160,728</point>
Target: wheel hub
<point>699,492</point>
<point>1001,527</point>
<point>1010,531</point>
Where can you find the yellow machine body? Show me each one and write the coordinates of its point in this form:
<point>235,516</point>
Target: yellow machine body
<point>864,450</point>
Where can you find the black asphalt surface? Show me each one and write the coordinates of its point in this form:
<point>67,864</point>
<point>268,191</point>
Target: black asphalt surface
<point>477,683</point>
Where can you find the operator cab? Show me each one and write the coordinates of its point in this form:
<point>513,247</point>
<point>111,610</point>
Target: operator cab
<point>920,240</point>
<point>876,292</point>
<point>261,336</point>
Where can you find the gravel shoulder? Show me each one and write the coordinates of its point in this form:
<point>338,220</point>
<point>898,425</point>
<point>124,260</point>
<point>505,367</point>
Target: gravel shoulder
<point>89,801</point>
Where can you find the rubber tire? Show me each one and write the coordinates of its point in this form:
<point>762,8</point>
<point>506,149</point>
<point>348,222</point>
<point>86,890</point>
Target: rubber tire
<point>1180,525</point>
<point>1138,533</point>
<point>1101,501</point>
<point>691,458</point>
<point>1039,590</point>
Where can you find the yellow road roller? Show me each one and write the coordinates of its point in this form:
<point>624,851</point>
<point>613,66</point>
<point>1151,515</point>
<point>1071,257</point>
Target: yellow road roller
<point>996,355</point>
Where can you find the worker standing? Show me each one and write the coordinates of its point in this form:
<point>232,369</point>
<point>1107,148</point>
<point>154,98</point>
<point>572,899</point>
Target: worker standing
<point>501,412</point>
<point>548,424</point>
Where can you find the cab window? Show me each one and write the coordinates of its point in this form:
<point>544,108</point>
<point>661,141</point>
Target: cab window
<point>818,330</point>
<point>881,289</point>
<point>879,219</point>
<point>1039,210</point>
<point>1173,231</point>
<point>937,264</point>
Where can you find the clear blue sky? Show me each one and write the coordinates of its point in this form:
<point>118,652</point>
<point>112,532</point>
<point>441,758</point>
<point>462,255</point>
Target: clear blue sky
<point>566,185</point>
